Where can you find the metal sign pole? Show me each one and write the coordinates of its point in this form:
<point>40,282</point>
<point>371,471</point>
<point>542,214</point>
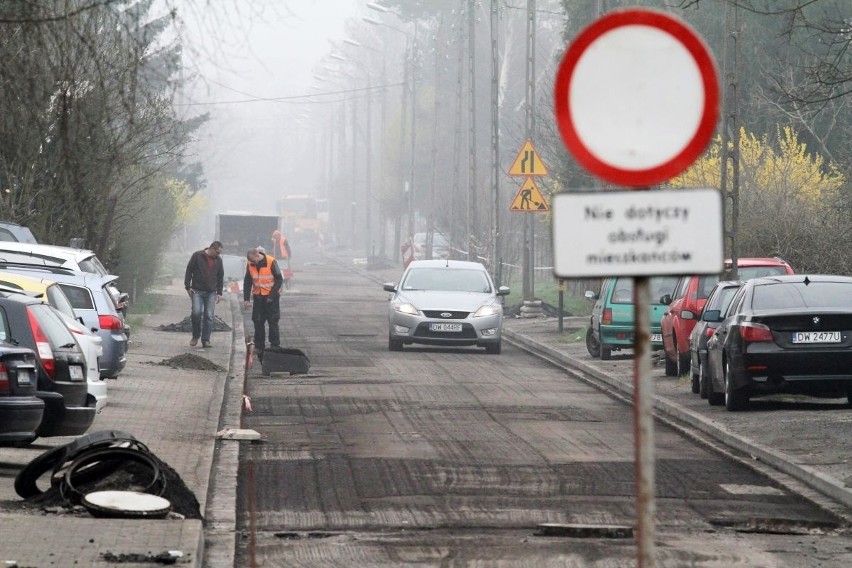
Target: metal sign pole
<point>643,417</point>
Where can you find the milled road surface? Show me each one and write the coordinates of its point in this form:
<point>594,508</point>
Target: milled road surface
<point>439,456</point>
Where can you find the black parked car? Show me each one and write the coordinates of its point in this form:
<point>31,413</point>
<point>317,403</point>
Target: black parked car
<point>719,299</point>
<point>783,334</point>
<point>27,322</point>
<point>20,410</point>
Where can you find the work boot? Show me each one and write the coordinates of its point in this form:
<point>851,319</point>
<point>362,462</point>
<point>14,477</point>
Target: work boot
<point>194,341</point>
<point>206,344</point>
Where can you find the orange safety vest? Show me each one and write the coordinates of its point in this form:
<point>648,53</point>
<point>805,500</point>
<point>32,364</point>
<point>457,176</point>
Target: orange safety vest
<point>282,246</point>
<point>262,279</point>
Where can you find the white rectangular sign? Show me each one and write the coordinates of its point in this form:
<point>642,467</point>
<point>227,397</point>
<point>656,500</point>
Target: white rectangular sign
<point>637,233</point>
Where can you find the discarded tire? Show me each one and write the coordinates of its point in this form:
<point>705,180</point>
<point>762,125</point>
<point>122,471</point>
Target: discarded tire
<point>115,456</point>
<point>56,459</point>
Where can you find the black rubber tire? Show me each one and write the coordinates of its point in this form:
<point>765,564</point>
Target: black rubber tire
<point>54,458</point>
<point>110,458</point>
<point>394,344</point>
<point>696,383</point>
<point>592,344</point>
<point>683,363</point>
<point>734,399</point>
<point>671,366</point>
<point>703,380</point>
<point>606,353</point>
<point>493,348</point>
<point>714,398</point>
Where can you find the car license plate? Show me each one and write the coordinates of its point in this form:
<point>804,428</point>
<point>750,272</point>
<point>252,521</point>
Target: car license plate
<point>76,372</point>
<point>452,327</point>
<point>658,337</point>
<point>816,337</point>
<point>24,377</point>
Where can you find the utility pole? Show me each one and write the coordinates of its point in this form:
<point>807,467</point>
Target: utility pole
<point>731,136</point>
<point>471,113</point>
<point>528,287</point>
<point>496,263</point>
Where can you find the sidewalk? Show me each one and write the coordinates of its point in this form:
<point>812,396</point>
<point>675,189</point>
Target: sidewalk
<point>176,413</point>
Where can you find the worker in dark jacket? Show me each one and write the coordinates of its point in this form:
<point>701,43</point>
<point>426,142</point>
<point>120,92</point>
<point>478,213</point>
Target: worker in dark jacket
<point>204,280</point>
<point>262,286</point>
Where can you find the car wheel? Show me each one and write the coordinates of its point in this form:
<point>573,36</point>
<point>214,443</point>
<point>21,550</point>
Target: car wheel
<point>703,387</point>
<point>735,399</point>
<point>714,398</point>
<point>606,353</point>
<point>593,346</point>
<point>671,366</point>
<point>696,383</point>
<point>849,396</point>
<point>682,364</point>
<point>493,348</point>
<point>394,344</point>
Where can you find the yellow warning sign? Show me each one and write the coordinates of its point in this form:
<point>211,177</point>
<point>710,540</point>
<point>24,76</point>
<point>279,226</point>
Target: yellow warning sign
<point>528,162</point>
<point>529,198</point>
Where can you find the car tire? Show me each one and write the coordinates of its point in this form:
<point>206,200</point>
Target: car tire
<point>714,398</point>
<point>703,390</point>
<point>683,363</point>
<point>696,384</point>
<point>593,346</point>
<point>394,344</point>
<point>493,348</point>
<point>735,399</point>
<point>606,353</point>
<point>671,366</point>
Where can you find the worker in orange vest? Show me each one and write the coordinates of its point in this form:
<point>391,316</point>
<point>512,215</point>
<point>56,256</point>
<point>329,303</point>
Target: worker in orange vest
<point>262,287</point>
<point>280,246</point>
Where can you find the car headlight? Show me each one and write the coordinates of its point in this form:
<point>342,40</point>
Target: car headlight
<point>405,308</point>
<point>487,311</point>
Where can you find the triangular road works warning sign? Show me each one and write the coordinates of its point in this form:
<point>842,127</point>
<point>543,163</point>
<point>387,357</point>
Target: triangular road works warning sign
<point>529,198</point>
<point>528,162</point>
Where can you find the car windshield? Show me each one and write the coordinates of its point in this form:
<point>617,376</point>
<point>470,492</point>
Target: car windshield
<point>800,295</point>
<point>438,240</point>
<point>447,280</point>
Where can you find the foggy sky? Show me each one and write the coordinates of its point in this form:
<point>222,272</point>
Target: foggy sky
<point>255,53</point>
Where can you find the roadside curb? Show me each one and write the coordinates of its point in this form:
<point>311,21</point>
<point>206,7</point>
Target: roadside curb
<point>816,480</point>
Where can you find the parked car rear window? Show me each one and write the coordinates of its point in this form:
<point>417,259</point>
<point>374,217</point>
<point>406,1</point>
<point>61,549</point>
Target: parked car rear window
<point>801,295</point>
<point>54,328</point>
<point>79,297</point>
<point>749,272</point>
<point>3,335</point>
<point>57,298</point>
<point>660,286</point>
<point>93,265</point>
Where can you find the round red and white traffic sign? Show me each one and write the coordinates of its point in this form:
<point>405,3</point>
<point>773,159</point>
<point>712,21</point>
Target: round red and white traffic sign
<point>636,97</point>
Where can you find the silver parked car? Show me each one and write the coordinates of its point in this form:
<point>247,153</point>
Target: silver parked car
<point>445,302</point>
<point>94,303</point>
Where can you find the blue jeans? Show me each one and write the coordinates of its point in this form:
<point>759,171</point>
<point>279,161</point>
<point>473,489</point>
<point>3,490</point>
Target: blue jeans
<point>203,307</point>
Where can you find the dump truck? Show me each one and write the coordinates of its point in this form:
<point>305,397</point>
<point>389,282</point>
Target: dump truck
<point>240,231</point>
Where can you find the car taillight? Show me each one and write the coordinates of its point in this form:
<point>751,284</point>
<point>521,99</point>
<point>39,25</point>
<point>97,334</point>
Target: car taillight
<point>606,317</point>
<point>110,322</point>
<point>755,332</point>
<point>43,349</point>
<point>4,380</point>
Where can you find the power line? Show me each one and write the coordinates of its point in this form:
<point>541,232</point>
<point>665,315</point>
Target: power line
<point>295,98</point>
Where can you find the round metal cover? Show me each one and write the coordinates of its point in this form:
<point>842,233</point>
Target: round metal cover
<point>126,504</point>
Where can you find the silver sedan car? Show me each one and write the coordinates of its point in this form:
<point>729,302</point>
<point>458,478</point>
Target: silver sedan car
<point>445,302</point>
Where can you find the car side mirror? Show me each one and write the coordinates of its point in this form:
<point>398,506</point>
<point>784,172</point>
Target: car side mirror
<point>666,300</point>
<point>712,315</point>
<point>590,295</point>
<point>389,287</point>
<point>503,291</point>
<point>687,315</point>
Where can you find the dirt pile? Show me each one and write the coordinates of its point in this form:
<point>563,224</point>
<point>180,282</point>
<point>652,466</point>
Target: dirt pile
<point>185,325</point>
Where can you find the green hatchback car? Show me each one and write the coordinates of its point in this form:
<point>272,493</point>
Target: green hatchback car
<point>611,323</point>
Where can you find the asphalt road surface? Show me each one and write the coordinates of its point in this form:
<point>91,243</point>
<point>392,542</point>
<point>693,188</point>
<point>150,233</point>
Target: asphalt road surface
<point>452,457</point>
